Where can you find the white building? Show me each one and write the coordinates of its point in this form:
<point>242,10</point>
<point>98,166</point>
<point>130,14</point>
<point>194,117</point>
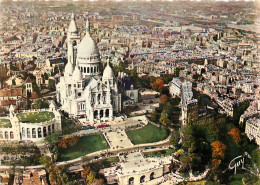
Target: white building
<point>83,91</point>
<point>253,130</point>
<point>15,128</point>
<point>182,88</point>
<point>135,169</point>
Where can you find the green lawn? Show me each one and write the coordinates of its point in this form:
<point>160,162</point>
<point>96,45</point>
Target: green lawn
<point>5,123</point>
<point>85,145</point>
<point>203,182</point>
<point>35,117</point>
<point>104,163</point>
<point>148,134</point>
<point>159,153</point>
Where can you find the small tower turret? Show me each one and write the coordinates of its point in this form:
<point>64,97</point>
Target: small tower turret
<point>73,41</point>
<point>28,85</point>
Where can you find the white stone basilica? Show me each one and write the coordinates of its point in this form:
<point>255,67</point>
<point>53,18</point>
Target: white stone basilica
<point>83,91</point>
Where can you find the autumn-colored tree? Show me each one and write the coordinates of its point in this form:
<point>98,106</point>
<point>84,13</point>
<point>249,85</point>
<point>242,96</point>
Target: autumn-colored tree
<point>68,142</point>
<point>91,179</point>
<point>158,84</point>
<point>215,164</point>
<point>218,150</point>
<point>235,134</point>
<point>86,171</point>
<point>163,98</point>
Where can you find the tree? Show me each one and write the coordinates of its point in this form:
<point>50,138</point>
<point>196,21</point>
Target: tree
<point>235,134</point>
<point>68,141</point>
<point>86,171</point>
<point>163,98</point>
<point>164,119</point>
<point>175,137</point>
<point>155,116</point>
<point>190,162</point>
<point>188,140</point>
<point>91,179</point>
<point>158,84</point>
<point>218,150</point>
<point>53,140</point>
<point>57,176</point>
<point>40,104</point>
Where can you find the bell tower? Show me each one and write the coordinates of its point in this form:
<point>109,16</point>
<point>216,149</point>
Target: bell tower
<point>73,41</point>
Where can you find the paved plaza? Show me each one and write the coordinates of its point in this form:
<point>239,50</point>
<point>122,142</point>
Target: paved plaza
<point>117,138</point>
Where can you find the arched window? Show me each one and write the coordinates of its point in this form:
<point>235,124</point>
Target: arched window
<point>91,69</point>
<point>28,133</point>
<point>52,127</point>
<point>6,135</point>
<point>97,68</point>
<point>88,70</point>
<point>49,129</point>
<point>44,132</point>
<point>101,113</point>
<point>11,135</point>
<point>94,69</point>
<point>95,114</point>
<point>107,113</point>
<point>84,69</point>
<point>99,97</point>
<point>23,132</point>
<point>131,180</point>
<point>39,132</point>
<point>132,95</point>
<point>33,133</point>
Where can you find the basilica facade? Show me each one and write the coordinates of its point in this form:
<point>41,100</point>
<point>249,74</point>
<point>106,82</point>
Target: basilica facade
<point>84,91</point>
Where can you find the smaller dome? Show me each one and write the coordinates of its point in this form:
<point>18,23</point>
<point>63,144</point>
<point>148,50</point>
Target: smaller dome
<point>76,74</point>
<point>108,72</point>
<point>68,69</point>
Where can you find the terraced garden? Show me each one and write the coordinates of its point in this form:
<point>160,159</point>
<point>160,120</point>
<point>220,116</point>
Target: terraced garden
<point>35,117</point>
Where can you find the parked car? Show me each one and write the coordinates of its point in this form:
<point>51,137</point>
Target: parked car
<point>102,126</point>
<point>87,128</point>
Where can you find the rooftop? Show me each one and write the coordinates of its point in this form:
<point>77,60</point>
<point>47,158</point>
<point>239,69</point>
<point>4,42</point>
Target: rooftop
<point>35,117</point>
<point>5,123</point>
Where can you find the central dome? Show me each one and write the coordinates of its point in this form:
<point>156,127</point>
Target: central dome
<point>87,47</point>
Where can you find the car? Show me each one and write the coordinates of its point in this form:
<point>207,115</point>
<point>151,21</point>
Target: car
<point>87,127</point>
<point>102,126</point>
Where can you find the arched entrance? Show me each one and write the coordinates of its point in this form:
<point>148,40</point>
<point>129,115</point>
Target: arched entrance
<point>152,176</point>
<point>131,180</point>
<point>95,114</point>
<point>101,113</point>
<point>11,135</point>
<point>142,179</point>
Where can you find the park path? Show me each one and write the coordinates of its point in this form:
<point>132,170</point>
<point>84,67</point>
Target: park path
<point>142,120</point>
<point>142,147</point>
